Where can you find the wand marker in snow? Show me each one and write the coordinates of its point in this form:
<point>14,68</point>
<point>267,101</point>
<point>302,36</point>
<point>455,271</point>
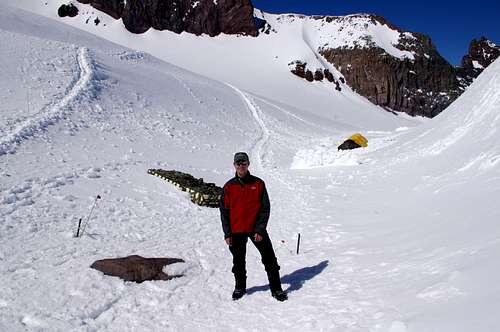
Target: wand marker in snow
<point>298,244</point>
<point>78,230</point>
<point>90,214</point>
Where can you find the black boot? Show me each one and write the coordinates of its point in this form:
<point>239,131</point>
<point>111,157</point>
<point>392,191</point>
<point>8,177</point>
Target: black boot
<point>279,295</point>
<point>240,289</point>
<point>275,285</point>
<point>238,293</point>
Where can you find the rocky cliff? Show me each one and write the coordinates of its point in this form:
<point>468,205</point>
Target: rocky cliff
<point>400,71</point>
<point>481,54</point>
<point>417,82</point>
<point>210,17</point>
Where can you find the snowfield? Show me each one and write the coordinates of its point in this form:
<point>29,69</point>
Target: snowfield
<point>400,236</point>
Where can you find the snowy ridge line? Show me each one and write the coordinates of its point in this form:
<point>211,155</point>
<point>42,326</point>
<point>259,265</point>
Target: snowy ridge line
<point>262,140</point>
<point>53,113</point>
<point>308,42</point>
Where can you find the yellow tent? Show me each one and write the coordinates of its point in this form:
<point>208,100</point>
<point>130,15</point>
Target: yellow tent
<point>359,139</point>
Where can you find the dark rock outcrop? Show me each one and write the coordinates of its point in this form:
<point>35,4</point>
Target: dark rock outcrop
<point>67,10</point>
<point>309,75</point>
<point>236,16</point>
<point>423,87</point>
<point>481,54</point>
<point>318,75</point>
<point>197,17</point>
<point>299,68</point>
<point>136,268</point>
<point>113,8</point>
<point>135,16</point>
<point>328,75</point>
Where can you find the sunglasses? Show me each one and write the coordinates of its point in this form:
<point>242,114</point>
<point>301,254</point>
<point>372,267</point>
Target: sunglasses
<point>241,163</point>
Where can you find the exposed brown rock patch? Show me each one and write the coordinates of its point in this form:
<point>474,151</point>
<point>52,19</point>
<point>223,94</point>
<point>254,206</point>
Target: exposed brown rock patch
<point>136,268</point>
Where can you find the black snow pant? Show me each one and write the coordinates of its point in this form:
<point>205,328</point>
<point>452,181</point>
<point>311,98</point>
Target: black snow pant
<point>238,250</point>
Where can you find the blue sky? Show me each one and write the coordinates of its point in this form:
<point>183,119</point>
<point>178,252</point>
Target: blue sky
<point>450,24</point>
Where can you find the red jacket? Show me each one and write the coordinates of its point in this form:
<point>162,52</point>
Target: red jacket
<point>245,206</point>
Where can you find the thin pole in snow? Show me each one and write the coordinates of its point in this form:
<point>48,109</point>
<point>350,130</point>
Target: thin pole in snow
<point>78,230</point>
<point>92,210</point>
<point>298,244</point>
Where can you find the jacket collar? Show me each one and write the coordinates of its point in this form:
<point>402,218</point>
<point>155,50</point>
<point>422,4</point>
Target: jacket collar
<point>246,179</point>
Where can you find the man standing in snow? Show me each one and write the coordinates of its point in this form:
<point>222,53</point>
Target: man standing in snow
<point>244,211</point>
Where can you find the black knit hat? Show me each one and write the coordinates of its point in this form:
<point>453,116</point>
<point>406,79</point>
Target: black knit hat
<point>240,157</point>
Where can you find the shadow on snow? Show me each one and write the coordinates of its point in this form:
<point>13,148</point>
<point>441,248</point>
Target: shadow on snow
<point>295,279</point>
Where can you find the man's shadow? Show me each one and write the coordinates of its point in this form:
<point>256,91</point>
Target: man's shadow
<point>295,279</point>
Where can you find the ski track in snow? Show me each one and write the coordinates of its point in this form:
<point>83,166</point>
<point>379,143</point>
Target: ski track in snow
<point>258,147</point>
<point>53,113</point>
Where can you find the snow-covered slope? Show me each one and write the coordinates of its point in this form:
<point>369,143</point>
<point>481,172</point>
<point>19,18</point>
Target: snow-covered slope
<point>401,236</point>
<point>455,180</point>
